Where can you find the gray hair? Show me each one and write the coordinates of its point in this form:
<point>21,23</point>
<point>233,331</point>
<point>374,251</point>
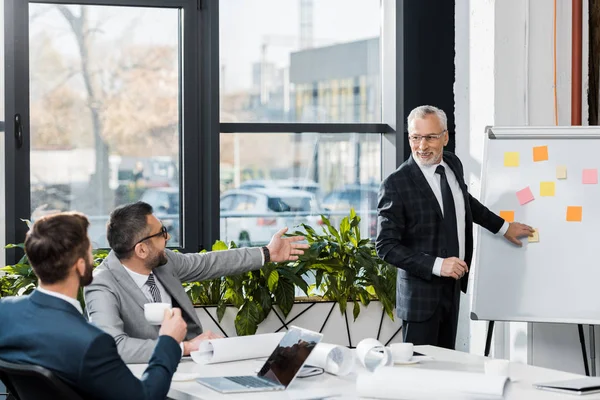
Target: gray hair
<point>421,112</point>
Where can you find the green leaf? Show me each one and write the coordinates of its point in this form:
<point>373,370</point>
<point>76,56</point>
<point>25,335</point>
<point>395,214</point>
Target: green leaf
<point>246,320</point>
<point>284,296</point>
<point>219,246</point>
<point>272,280</point>
<point>356,310</point>
<point>14,246</point>
<point>318,278</point>
<point>221,308</point>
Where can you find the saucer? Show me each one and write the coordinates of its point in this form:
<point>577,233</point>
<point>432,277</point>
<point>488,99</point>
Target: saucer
<point>407,362</point>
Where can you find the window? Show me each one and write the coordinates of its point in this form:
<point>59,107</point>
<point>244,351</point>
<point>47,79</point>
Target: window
<point>105,111</point>
<point>300,61</point>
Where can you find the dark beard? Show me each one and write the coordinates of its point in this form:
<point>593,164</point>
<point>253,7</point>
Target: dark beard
<point>87,276</point>
<point>159,260</point>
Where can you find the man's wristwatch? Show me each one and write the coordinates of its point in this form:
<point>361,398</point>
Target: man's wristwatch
<point>266,254</point>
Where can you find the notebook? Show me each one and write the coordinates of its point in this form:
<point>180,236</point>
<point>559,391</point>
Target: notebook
<point>280,369</point>
<point>577,386</point>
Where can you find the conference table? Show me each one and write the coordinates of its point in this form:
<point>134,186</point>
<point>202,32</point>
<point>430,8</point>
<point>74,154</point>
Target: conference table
<point>326,386</point>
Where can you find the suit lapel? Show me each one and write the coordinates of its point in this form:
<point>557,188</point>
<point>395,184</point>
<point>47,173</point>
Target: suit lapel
<point>125,280</point>
<point>173,285</point>
<point>423,185</point>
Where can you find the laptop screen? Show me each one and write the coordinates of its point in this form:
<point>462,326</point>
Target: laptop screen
<point>289,355</point>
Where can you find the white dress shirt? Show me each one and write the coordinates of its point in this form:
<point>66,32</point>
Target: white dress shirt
<point>61,296</point>
<point>434,181</point>
<point>140,280</point>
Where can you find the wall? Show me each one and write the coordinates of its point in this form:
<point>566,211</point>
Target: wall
<point>504,76</point>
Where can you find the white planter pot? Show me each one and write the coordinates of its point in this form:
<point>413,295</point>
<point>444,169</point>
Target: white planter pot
<point>324,317</point>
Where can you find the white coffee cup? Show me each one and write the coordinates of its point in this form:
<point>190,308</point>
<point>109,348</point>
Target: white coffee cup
<point>496,367</point>
<point>155,312</point>
<point>401,352</point>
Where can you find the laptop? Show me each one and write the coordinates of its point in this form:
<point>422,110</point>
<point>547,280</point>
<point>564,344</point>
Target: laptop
<point>578,386</point>
<point>280,369</point>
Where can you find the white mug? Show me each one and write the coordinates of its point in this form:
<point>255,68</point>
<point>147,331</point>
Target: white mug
<point>155,312</point>
<point>401,351</point>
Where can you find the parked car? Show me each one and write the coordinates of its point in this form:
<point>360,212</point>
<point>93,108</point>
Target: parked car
<point>363,198</point>
<point>291,183</point>
<point>251,217</point>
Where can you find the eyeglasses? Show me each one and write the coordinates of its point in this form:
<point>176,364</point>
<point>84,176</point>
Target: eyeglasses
<point>163,232</point>
<point>428,138</point>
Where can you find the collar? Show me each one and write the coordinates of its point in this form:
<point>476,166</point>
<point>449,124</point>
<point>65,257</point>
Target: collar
<point>61,296</point>
<point>429,170</point>
<point>139,279</point>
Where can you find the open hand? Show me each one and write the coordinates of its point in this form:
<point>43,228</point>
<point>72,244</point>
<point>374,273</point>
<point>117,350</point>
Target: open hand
<point>194,344</point>
<point>285,248</point>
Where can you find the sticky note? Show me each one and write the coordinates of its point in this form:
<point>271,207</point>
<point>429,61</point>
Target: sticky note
<point>561,172</point>
<point>590,176</point>
<point>546,189</point>
<point>534,238</point>
<point>540,153</point>
<point>508,216</point>
<point>574,213</point>
<point>525,196</point>
<point>511,159</point>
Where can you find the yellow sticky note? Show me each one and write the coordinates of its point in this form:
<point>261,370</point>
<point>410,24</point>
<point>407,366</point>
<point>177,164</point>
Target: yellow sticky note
<point>540,153</point>
<point>511,159</point>
<point>561,172</point>
<point>574,213</point>
<point>546,188</point>
<point>508,216</point>
<point>535,237</point>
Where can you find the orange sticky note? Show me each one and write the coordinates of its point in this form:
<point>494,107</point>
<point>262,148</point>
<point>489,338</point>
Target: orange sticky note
<point>508,216</point>
<point>561,172</point>
<point>574,213</point>
<point>546,189</point>
<point>540,153</point>
<point>535,237</point>
<point>511,159</point>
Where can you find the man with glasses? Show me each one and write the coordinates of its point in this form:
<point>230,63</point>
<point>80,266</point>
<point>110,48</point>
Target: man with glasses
<point>140,269</point>
<point>425,228</point>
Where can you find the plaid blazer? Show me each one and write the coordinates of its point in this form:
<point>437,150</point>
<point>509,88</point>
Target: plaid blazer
<point>410,235</point>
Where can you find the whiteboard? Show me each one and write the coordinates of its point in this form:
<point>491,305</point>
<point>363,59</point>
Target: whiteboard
<point>558,278</point>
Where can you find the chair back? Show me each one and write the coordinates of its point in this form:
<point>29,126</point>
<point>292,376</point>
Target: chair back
<point>32,382</point>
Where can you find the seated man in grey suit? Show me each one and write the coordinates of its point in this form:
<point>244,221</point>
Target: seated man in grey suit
<point>47,328</point>
<point>140,270</point>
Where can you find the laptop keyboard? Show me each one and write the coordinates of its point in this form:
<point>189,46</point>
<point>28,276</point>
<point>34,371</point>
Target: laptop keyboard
<point>251,381</point>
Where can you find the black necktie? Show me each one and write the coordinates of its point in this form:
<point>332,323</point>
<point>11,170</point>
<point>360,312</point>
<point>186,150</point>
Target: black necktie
<point>450,224</point>
<point>153,289</point>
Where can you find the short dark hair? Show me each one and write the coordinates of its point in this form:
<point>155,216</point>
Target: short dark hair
<point>126,226</point>
<point>55,242</point>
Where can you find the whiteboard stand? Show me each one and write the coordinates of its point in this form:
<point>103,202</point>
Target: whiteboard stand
<point>593,349</point>
<point>488,339</point>
<point>583,351</point>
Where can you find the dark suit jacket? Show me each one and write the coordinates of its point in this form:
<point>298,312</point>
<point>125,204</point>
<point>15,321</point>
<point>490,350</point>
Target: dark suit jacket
<point>47,331</point>
<point>410,235</point>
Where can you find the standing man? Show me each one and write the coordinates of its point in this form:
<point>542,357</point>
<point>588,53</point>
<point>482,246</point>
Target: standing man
<point>140,270</point>
<point>425,228</point>
<point>47,328</point>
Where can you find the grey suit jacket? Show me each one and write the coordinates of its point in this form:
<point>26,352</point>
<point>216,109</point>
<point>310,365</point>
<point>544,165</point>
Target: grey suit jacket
<point>116,304</point>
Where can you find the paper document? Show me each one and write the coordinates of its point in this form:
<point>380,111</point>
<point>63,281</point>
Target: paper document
<point>337,360</point>
<point>236,348</point>
<point>402,383</point>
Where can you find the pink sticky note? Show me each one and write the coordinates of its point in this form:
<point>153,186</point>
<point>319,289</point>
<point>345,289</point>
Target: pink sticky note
<point>590,176</point>
<point>525,196</point>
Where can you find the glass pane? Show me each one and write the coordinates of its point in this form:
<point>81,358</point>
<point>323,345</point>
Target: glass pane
<point>300,60</point>
<point>105,111</point>
<point>312,174</point>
